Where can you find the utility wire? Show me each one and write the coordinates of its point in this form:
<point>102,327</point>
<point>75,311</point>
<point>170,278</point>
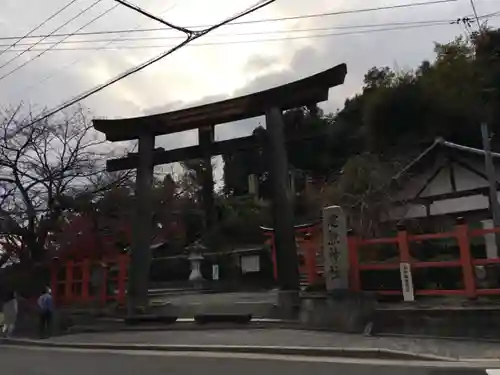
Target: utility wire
<point>52,33</point>
<point>264,20</point>
<point>229,42</point>
<point>74,62</point>
<point>16,43</point>
<point>354,11</point>
<point>53,46</point>
<point>402,26</point>
<point>342,27</point>
<point>330,28</point>
<point>147,63</point>
<point>153,17</point>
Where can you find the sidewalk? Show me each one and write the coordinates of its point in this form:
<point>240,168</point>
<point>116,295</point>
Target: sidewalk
<point>289,337</point>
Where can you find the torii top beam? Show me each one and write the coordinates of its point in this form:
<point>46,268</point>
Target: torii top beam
<point>310,90</point>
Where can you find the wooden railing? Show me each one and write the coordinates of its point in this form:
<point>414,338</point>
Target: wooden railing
<point>308,239</point>
<point>462,234</point>
<point>75,285</point>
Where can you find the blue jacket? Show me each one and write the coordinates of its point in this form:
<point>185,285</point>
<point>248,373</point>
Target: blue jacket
<point>45,302</point>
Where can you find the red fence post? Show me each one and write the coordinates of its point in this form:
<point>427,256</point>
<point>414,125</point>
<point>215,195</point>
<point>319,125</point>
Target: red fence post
<point>310,256</point>
<point>273,255</point>
<point>354,272</point>
<point>403,245</point>
<point>104,285</point>
<point>405,264</point>
<point>85,280</point>
<point>54,270</point>
<point>462,234</point>
<point>68,287</point>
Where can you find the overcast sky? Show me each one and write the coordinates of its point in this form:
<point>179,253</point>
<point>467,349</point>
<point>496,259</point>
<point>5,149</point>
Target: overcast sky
<point>229,65</point>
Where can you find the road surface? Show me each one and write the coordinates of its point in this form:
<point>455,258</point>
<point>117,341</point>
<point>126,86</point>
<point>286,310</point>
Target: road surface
<point>42,361</point>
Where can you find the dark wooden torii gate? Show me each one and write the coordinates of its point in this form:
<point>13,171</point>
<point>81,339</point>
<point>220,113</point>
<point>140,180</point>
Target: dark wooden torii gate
<point>271,103</point>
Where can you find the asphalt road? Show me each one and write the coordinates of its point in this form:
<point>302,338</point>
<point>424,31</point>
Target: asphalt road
<point>29,361</point>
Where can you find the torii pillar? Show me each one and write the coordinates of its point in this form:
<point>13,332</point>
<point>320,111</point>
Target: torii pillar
<point>142,232</point>
<point>286,251</point>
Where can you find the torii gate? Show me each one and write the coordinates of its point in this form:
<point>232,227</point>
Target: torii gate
<point>271,103</point>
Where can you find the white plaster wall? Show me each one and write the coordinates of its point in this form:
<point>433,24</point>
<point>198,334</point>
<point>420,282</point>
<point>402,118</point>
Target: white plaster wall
<point>465,180</point>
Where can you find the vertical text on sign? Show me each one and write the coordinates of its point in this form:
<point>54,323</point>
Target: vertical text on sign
<point>335,248</point>
<point>406,282</point>
<point>215,272</point>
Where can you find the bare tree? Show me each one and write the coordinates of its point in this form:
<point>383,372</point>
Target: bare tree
<point>365,190</point>
<point>44,169</point>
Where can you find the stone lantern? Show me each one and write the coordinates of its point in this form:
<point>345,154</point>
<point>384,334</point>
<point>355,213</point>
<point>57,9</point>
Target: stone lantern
<point>195,257</point>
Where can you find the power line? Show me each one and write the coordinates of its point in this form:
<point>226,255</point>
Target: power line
<point>336,27</point>
<point>52,33</point>
<point>329,28</point>
<point>261,4</point>
<point>74,62</point>
<point>264,20</point>
<point>362,32</point>
<point>53,47</point>
<point>254,40</point>
<point>341,27</point>
<point>153,17</point>
<point>402,26</point>
<point>353,11</point>
<point>39,26</point>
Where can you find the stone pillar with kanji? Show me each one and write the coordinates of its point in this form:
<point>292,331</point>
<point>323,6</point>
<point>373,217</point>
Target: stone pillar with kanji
<point>335,249</point>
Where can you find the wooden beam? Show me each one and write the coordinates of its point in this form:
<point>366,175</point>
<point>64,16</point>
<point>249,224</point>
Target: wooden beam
<point>441,197</point>
<point>307,91</point>
<point>195,152</point>
<point>453,180</point>
<point>429,180</point>
<point>205,140</point>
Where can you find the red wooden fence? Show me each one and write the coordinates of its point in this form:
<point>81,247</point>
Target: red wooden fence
<point>75,283</point>
<point>307,237</point>
<point>71,281</point>
<point>309,245</point>
<point>462,234</point>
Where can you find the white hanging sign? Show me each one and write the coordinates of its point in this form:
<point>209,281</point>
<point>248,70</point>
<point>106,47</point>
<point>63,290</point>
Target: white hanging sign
<point>406,282</point>
<point>215,272</point>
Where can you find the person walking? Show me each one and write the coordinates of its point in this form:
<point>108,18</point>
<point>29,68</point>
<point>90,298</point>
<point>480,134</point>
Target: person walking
<point>46,306</point>
<point>9,309</point>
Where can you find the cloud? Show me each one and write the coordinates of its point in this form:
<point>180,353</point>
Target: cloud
<point>201,74</point>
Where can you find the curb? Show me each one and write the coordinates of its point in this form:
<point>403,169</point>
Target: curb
<point>436,337</point>
<point>176,327</point>
<point>362,353</point>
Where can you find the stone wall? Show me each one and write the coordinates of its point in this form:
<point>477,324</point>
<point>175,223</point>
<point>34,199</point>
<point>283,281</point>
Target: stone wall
<point>339,311</point>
